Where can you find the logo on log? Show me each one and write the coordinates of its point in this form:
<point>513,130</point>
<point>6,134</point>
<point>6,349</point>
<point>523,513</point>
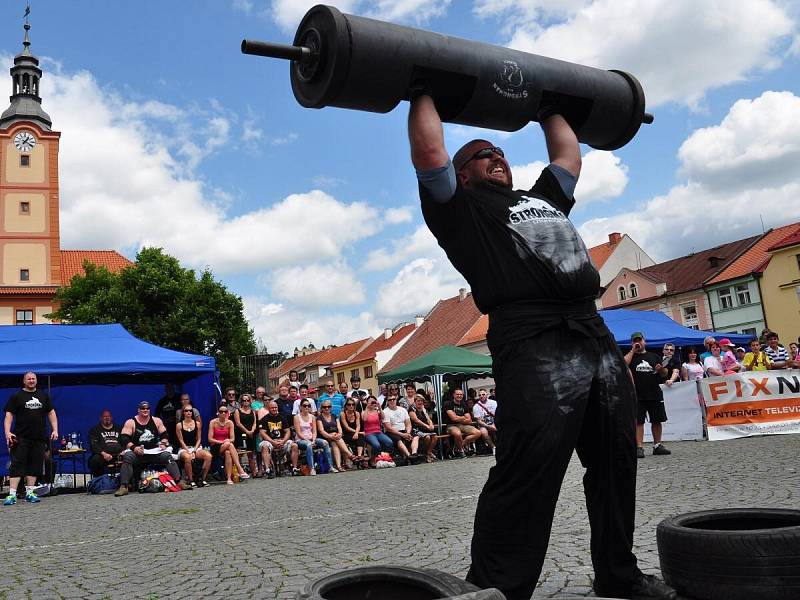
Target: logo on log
<point>509,82</point>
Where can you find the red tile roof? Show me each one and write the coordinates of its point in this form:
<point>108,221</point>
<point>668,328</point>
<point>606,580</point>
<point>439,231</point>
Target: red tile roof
<point>754,258</point>
<point>793,239</point>
<point>599,254</point>
<point>72,262</point>
<point>295,363</point>
<point>379,344</point>
<point>340,353</point>
<point>447,323</point>
<point>476,333</point>
<point>28,290</point>
<point>693,271</point>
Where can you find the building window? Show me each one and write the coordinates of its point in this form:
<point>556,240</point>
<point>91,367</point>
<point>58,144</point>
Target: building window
<point>24,160</point>
<point>24,275</point>
<point>689,316</point>
<point>743,293</point>
<point>725,298</point>
<point>367,372</point>
<point>634,291</point>
<point>621,293</point>
<point>340,377</point>
<point>355,373</point>
<point>751,331</point>
<point>24,208</point>
<point>24,317</point>
<point>313,376</point>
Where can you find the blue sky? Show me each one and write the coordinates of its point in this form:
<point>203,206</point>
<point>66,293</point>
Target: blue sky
<point>171,137</point>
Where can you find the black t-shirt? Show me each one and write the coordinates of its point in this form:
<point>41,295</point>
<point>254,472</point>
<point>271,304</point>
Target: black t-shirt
<point>105,440</point>
<point>673,364</point>
<point>166,410</point>
<point>30,410</point>
<point>145,435</point>
<point>331,426</point>
<point>274,425</point>
<point>644,368</point>
<point>422,415</point>
<point>459,409</point>
<point>520,253</point>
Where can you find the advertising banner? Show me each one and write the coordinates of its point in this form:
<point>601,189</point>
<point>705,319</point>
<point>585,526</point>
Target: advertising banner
<point>752,403</point>
<point>684,413</point>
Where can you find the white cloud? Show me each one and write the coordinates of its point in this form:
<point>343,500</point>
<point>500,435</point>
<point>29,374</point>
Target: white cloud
<point>318,285</point>
<point>121,188</point>
<point>417,287</point>
<point>602,176</point>
<point>401,214</point>
<point>285,327</point>
<point>289,13</point>
<point>420,243</point>
<point>742,172</point>
<point>758,141</point>
<point>678,49</point>
<point>325,181</point>
<point>287,139</point>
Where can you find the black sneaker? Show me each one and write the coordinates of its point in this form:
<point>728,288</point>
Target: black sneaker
<point>270,474</point>
<point>639,452</point>
<point>459,454</point>
<point>660,450</point>
<point>295,472</point>
<point>648,587</point>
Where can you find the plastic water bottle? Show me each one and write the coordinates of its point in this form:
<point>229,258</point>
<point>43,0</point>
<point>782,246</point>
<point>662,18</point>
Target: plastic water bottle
<point>74,439</point>
<point>80,441</point>
<point>63,442</point>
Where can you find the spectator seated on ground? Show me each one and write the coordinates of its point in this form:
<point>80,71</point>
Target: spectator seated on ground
<point>221,438</point>
<point>329,429</point>
<point>189,434</point>
<point>373,419</point>
<point>104,442</point>
<point>305,430</point>
<point>422,426</point>
<point>459,423</point>
<point>353,435</point>
<point>398,427</point>
<point>145,441</point>
<point>275,433</point>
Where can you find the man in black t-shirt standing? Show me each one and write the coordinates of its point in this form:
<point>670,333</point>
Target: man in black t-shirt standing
<point>648,370</point>
<point>530,272</point>
<point>166,410</point>
<point>29,409</point>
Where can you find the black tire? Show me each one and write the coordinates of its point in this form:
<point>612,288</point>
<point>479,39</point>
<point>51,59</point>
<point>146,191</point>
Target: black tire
<point>391,583</point>
<point>732,554</point>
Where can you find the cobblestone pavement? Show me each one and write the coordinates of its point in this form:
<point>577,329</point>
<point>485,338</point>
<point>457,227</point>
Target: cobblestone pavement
<point>265,539</point>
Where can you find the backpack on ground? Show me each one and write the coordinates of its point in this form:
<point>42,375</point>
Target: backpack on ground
<point>103,484</point>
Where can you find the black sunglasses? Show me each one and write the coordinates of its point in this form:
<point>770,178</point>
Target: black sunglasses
<point>306,404</point>
<point>485,153</point>
<point>189,410</point>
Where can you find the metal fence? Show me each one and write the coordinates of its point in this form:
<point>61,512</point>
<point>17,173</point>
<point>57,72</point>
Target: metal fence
<point>254,370</point>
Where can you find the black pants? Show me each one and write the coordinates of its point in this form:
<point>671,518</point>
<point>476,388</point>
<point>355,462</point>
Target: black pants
<point>27,458</point>
<point>557,391</point>
<point>98,465</point>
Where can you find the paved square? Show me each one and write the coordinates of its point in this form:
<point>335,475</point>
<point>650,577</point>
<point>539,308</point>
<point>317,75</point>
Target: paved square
<point>265,539</point>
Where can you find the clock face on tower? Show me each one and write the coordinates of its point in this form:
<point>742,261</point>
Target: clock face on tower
<point>24,141</point>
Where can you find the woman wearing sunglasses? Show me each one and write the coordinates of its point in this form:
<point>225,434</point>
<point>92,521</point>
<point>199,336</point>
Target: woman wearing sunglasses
<point>329,429</point>
<point>350,420</point>
<point>422,426</point>
<point>305,430</point>
<point>221,437</point>
<point>188,432</point>
<point>245,421</point>
<point>373,419</point>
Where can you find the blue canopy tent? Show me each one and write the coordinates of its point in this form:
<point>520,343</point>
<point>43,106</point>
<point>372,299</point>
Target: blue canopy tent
<point>659,329</point>
<point>87,368</point>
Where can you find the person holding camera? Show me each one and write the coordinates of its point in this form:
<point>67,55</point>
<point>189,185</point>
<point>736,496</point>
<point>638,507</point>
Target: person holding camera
<point>648,370</point>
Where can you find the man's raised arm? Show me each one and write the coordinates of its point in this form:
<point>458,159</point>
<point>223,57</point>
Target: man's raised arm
<point>425,134</point>
<point>563,148</point>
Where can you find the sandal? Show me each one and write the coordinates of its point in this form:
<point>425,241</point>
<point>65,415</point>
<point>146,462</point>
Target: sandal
<point>230,481</point>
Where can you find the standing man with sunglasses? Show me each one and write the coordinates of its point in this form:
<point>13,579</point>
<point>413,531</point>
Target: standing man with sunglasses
<point>530,272</point>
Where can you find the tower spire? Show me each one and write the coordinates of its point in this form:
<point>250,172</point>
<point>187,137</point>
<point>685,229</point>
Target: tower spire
<point>26,103</point>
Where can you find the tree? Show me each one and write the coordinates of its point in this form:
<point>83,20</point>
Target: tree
<point>161,302</point>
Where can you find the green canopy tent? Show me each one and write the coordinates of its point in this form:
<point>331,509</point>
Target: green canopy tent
<point>433,366</point>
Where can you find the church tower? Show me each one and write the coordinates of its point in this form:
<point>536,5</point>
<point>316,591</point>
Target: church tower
<point>30,257</point>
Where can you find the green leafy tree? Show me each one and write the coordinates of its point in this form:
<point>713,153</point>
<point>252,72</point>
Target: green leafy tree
<point>161,302</point>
